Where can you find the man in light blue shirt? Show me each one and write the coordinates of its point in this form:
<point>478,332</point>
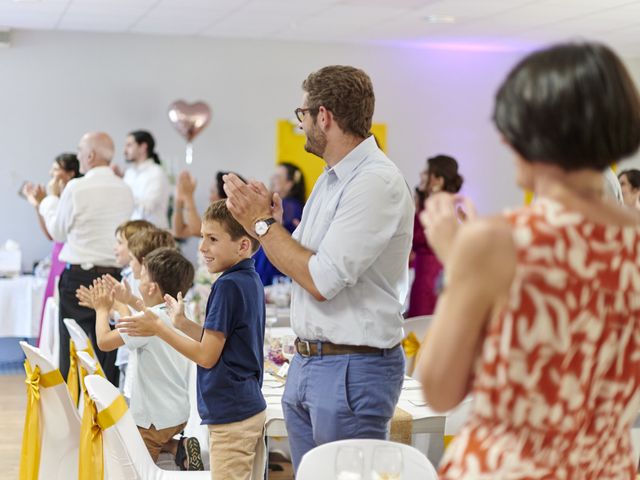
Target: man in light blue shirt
<point>348,259</point>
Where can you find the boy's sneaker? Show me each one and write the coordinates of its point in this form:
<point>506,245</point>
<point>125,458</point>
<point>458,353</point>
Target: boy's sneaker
<point>189,456</point>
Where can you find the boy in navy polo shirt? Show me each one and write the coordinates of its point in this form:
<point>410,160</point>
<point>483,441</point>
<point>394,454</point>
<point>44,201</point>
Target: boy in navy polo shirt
<point>228,349</point>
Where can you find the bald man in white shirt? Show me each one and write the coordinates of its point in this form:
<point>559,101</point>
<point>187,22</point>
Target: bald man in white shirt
<point>85,217</point>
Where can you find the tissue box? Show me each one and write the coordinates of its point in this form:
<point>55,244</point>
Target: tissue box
<point>10,262</point>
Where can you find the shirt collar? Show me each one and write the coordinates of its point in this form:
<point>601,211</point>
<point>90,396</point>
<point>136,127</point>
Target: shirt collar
<point>246,264</point>
<point>143,165</point>
<point>106,170</point>
<point>352,159</point>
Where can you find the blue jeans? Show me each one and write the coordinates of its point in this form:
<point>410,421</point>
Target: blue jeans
<point>338,397</point>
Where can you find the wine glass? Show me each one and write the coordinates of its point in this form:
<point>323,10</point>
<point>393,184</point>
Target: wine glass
<point>387,463</point>
<point>288,347</point>
<point>349,463</point>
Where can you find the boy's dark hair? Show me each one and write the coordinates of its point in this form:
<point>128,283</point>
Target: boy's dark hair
<point>170,270</point>
<point>218,212</point>
<point>572,105</point>
<point>145,241</point>
<point>128,228</point>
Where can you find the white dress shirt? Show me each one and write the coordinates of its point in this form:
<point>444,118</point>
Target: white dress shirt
<point>86,216</point>
<point>160,389</point>
<point>359,221</point>
<point>150,187</point>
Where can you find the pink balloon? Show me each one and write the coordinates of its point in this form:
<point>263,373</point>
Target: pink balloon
<point>189,118</point>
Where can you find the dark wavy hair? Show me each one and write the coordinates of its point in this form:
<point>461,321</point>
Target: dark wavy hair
<point>220,183</point>
<point>294,174</point>
<point>69,163</point>
<point>573,105</point>
<point>446,167</point>
<point>142,136</point>
<point>633,177</point>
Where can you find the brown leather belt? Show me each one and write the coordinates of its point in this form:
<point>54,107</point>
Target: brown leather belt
<point>314,348</point>
<point>98,270</point>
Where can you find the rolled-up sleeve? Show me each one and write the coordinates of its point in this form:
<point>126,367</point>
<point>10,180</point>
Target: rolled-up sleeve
<point>366,219</point>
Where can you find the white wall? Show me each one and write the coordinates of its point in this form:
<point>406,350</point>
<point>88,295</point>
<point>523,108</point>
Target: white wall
<point>55,86</point>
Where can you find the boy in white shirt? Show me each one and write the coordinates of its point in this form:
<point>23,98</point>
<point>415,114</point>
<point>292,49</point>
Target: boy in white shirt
<point>160,397</point>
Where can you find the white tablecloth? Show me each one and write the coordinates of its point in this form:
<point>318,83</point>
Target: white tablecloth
<point>21,305</point>
<point>425,420</point>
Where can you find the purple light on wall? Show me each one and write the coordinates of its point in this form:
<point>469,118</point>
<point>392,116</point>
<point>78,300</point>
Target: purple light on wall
<point>466,45</point>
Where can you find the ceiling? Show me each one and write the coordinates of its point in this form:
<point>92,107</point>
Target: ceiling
<point>462,24</point>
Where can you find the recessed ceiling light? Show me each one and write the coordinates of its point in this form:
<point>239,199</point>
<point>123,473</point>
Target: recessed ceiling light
<point>440,19</point>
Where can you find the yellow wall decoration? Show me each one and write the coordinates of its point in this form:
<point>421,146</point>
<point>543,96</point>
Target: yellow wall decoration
<point>290,148</point>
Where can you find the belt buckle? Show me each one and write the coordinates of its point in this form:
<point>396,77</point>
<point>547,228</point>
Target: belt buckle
<point>303,347</point>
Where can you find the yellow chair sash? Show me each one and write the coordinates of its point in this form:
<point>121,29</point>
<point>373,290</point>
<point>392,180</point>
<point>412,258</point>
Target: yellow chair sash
<point>72,376</point>
<point>31,441</point>
<point>411,345</point>
<point>91,465</point>
<point>447,440</point>
<point>73,380</point>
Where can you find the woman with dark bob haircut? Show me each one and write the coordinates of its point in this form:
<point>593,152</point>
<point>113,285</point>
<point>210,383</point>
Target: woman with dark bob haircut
<point>540,312</point>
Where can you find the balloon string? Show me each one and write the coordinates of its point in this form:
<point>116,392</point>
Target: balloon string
<point>189,157</point>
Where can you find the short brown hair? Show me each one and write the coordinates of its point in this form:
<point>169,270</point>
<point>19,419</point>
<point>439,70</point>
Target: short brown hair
<point>145,241</point>
<point>130,227</point>
<point>170,270</point>
<point>347,92</point>
<point>218,212</point>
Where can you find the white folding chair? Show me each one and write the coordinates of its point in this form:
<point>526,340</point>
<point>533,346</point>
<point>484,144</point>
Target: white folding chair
<point>635,441</point>
<point>455,420</point>
<point>194,427</point>
<point>125,454</point>
<point>319,463</point>
<point>59,420</point>
<point>415,329</point>
<point>49,336</point>
<point>81,343</point>
<point>77,334</point>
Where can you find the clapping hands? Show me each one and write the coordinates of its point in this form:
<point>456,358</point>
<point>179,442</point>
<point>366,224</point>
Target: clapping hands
<point>34,193</point>
<point>441,219</point>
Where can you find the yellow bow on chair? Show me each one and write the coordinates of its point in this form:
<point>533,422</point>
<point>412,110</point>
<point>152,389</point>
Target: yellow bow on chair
<point>411,345</point>
<point>31,441</point>
<point>74,366</point>
<point>91,464</point>
<point>72,376</point>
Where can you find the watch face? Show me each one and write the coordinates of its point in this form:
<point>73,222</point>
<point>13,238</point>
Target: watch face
<point>261,227</point>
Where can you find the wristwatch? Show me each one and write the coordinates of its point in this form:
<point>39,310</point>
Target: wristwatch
<point>262,226</point>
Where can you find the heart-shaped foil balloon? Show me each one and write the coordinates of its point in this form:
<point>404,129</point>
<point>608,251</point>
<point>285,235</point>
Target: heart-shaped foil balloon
<point>189,118</point>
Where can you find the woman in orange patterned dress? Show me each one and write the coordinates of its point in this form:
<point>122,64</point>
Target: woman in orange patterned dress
<point>539,319</point>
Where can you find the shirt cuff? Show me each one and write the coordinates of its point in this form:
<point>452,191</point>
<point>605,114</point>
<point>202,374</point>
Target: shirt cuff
<point>48,203</point>
<point>325,277</point>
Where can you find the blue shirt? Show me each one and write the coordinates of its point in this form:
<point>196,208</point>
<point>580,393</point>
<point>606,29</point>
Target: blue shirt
<point>231,390</point>
<point>291,214</point>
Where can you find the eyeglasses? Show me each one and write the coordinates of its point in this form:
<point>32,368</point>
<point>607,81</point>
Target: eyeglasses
<point>301,112</point>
